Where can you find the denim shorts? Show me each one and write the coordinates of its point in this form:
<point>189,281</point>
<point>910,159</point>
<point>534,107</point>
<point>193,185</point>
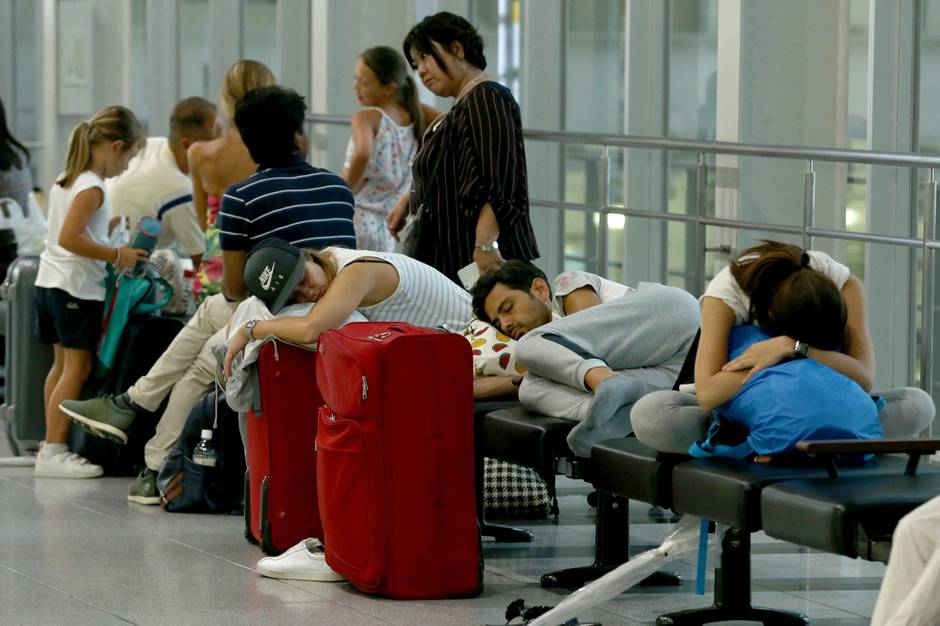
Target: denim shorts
<point>64,319</point>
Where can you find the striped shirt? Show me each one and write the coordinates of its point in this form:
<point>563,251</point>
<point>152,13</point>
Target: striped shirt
<point>474,156</point>
<point>301,204</point>
<point>424,297</point>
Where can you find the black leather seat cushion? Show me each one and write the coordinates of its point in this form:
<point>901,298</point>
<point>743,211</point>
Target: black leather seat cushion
<point>518,436</point>
<point>728,490</point>
<point>626,467</point>
<point>834,514</point>
<point>482,407</point>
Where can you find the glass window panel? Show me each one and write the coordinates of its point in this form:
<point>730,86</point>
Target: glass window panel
<point>500,25</point>
<point>194,49</point>
<point>259,32</point>
<point>693,68</point>
<point>594,66</point>
<point>928,123</point>
<point>578,229</point>
<point>859,21</point>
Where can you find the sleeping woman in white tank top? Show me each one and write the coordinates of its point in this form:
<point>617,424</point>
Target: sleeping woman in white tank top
<point>385,136</point>
<point>381,286</point>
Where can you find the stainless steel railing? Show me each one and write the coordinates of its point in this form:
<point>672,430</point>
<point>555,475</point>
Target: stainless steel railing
<point>927,243</point>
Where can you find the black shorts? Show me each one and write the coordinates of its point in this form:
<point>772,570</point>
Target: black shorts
<point>64,319</point>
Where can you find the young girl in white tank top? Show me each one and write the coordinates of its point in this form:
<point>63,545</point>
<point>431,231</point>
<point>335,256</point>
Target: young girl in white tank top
<point>70,289</point>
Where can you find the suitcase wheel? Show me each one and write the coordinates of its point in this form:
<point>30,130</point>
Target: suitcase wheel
<point>266,545</point>
<point>249,536</point>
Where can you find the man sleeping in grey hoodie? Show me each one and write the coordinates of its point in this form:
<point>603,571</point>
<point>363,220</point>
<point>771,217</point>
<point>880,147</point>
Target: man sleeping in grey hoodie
<point>592,347</point>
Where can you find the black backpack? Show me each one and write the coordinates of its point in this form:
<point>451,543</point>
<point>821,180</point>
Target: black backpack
<point>187,487</point>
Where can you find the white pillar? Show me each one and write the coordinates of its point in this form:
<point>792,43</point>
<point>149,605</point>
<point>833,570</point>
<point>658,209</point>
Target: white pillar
<point>162,86</point>
<point>542,107</point>
<point>51,155</point>
<point>728,96</point>
<point>793,90</point>
<point>293,41</point>
<point>225,40</point>
<point>890,113</point>
<point>645,114</point>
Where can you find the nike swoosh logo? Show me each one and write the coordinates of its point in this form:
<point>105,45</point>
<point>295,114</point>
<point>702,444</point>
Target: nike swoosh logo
<point>267,275</point>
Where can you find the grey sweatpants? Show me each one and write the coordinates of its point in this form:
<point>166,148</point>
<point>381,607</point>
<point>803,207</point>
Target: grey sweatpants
<point>645,335</point>
<point>671,421</point>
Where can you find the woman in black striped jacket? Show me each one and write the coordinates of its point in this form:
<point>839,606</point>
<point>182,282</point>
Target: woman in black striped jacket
<point>470,189</point>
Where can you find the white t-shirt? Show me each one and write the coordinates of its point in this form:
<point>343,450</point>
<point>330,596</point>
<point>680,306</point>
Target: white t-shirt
<point>154,186</point>
<point>724,287</point>
<point>79,276</point>
<point>567,282</point>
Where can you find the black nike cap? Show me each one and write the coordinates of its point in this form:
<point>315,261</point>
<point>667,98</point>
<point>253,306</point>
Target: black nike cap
<point>273,270</point>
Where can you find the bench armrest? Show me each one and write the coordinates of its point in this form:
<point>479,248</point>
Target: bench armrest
<point>826,450</point>
<point>870,446</point>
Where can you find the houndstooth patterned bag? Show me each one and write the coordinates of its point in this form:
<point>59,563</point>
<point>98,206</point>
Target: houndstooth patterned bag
<point>513,492</point>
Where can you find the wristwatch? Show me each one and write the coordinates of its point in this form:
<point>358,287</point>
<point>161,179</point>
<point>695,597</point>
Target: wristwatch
<point>800,349</point>
<point>248,326</point>
<point>487,247</point>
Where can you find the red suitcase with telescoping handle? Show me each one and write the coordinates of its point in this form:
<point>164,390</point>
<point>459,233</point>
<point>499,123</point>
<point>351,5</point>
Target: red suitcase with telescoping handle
<point>395,464</point>
<point>281,483</point>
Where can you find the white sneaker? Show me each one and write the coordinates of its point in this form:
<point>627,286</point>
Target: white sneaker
<point>65,465</point>
<point>301,562</point>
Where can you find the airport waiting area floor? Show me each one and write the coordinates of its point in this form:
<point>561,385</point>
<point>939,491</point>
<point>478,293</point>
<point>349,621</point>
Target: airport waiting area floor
<point>76,552</point>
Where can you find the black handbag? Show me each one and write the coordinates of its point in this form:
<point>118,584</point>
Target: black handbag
<point>410,234</point>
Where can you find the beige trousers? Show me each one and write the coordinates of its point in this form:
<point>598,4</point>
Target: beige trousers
<point>185,371</point>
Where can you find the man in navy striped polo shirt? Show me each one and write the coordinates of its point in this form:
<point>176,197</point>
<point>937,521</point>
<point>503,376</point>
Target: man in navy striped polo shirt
<point>285,198</point>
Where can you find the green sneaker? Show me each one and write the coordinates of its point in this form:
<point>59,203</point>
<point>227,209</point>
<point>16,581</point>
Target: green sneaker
<point>101,417</point>
<point>144,488</point>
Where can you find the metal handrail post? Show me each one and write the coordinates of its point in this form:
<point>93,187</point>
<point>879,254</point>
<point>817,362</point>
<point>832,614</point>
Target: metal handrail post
<point>927,307</point>
<point>701,209</point>
<point>604,195</point>
<point>809,203</point>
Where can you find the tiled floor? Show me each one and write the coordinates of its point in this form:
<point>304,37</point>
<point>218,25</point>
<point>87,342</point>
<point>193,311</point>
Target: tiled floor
<point>76,552</point>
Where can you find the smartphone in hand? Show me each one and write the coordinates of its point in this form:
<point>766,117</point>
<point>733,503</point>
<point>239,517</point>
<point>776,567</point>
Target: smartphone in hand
<point>469,275</point>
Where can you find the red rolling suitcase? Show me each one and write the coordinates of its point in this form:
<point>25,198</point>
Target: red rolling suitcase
<point>281,482</point>
<point>395,464</point>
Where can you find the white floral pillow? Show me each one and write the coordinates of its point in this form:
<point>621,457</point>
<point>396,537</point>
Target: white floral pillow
<point>494,354</point>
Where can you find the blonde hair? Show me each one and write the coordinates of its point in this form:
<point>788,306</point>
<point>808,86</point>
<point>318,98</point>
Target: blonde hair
<point>113,123</point>
<point>323,259</point>
<point>241,78</point>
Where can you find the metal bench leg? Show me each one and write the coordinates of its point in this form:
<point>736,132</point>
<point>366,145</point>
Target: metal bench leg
<point>733,592</point>
<point>612,548</point>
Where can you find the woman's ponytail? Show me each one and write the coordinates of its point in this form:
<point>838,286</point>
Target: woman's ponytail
<point>408,97</point>
<point>113,123</point>
<point>79,155</point>
<point>390,67</point>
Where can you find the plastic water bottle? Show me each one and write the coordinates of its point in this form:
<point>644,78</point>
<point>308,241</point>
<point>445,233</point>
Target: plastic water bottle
<point>204,453</point>
<point>148,233</point>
